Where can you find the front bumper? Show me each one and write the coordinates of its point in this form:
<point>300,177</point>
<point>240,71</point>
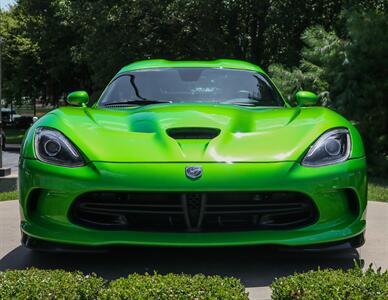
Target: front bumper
<point>338,191</point>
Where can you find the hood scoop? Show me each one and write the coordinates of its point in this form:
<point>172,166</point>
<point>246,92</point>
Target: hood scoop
<point>193,133</point>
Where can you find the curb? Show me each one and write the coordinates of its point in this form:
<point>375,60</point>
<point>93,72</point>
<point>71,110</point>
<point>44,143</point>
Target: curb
<point>8,183</point>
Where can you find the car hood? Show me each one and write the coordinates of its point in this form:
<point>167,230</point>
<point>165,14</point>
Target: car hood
<point>154,133</point>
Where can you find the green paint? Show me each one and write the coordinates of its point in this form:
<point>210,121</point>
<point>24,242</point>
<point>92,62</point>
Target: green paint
<point>78,98</point>
<point>305,98</point>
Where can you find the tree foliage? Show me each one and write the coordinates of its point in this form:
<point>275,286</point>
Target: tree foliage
<point>18,52</point>
<point>321,55</point>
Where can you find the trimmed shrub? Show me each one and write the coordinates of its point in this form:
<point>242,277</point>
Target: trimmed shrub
<point>332,284</point>
<point>49,284</point>
<point>171,286</point>
<point>31,284</point>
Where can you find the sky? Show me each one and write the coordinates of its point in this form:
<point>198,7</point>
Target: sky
<point>5,3</point>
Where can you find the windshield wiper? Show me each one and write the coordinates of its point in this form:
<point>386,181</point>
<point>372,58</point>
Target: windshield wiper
<point>137,102</point>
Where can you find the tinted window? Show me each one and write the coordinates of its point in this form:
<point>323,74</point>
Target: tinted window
<point>193,85</point>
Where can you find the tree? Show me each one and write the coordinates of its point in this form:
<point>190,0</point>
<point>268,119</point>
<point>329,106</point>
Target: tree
<point>19,56</point>
<point>59,71</point>
<point>288,19</point>
<point>351,74</point>
<point>365,95</point>
<point>321,58</point>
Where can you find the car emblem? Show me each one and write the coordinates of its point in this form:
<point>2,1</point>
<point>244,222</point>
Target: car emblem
<point>193,172</point>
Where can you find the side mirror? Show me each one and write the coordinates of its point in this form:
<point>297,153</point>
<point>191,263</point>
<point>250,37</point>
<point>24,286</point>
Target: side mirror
<point>34,119</point>
<point>305,98</point>
<point>78,98</point>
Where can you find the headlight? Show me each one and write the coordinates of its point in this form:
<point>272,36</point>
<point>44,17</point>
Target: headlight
<point>53,147</point>
<point>331,148</point>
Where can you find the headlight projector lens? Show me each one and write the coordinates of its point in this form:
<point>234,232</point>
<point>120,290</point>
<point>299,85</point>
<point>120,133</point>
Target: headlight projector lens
<point>333,147</point>
<point>52,147</point>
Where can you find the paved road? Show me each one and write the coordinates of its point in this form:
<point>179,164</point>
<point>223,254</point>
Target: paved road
<point>256,267</point>
<point>10,160</point>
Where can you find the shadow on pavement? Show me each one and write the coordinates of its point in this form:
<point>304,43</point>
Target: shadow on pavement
<point>255,266</point>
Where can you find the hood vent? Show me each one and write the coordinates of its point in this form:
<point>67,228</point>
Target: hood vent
<point>198,133</point>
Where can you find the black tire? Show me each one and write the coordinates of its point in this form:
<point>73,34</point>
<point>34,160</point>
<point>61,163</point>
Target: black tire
<point>358,241</point>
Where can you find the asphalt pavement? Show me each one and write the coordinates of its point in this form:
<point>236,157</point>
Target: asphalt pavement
<point>256,267</point>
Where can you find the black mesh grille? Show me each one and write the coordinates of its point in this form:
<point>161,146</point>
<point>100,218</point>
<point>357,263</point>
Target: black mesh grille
<point>193,212</point>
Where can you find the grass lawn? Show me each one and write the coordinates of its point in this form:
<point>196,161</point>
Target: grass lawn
<point>14,135</point>
<point>378,189</point>
<point>9,196</point>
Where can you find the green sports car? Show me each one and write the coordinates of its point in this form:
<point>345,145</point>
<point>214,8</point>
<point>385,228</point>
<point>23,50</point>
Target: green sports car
<point>204,153</point>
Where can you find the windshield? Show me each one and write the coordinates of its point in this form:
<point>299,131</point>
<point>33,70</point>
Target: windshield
<point>201,85</point>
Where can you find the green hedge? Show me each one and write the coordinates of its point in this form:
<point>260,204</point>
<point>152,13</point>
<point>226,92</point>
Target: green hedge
<point>332,284</point>
<point>172,286</point>
<point>57,284</point>
<point>322,284</point>
<point>49,284</point>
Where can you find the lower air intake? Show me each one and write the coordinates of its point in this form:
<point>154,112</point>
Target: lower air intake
<point>193,212</point>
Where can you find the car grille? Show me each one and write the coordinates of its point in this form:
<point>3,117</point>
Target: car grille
<point>193,212</point>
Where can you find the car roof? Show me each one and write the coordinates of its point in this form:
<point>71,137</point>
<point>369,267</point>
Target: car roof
<point>219,63</point>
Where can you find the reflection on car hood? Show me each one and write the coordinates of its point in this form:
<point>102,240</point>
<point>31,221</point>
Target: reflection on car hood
<point>154,133</point>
